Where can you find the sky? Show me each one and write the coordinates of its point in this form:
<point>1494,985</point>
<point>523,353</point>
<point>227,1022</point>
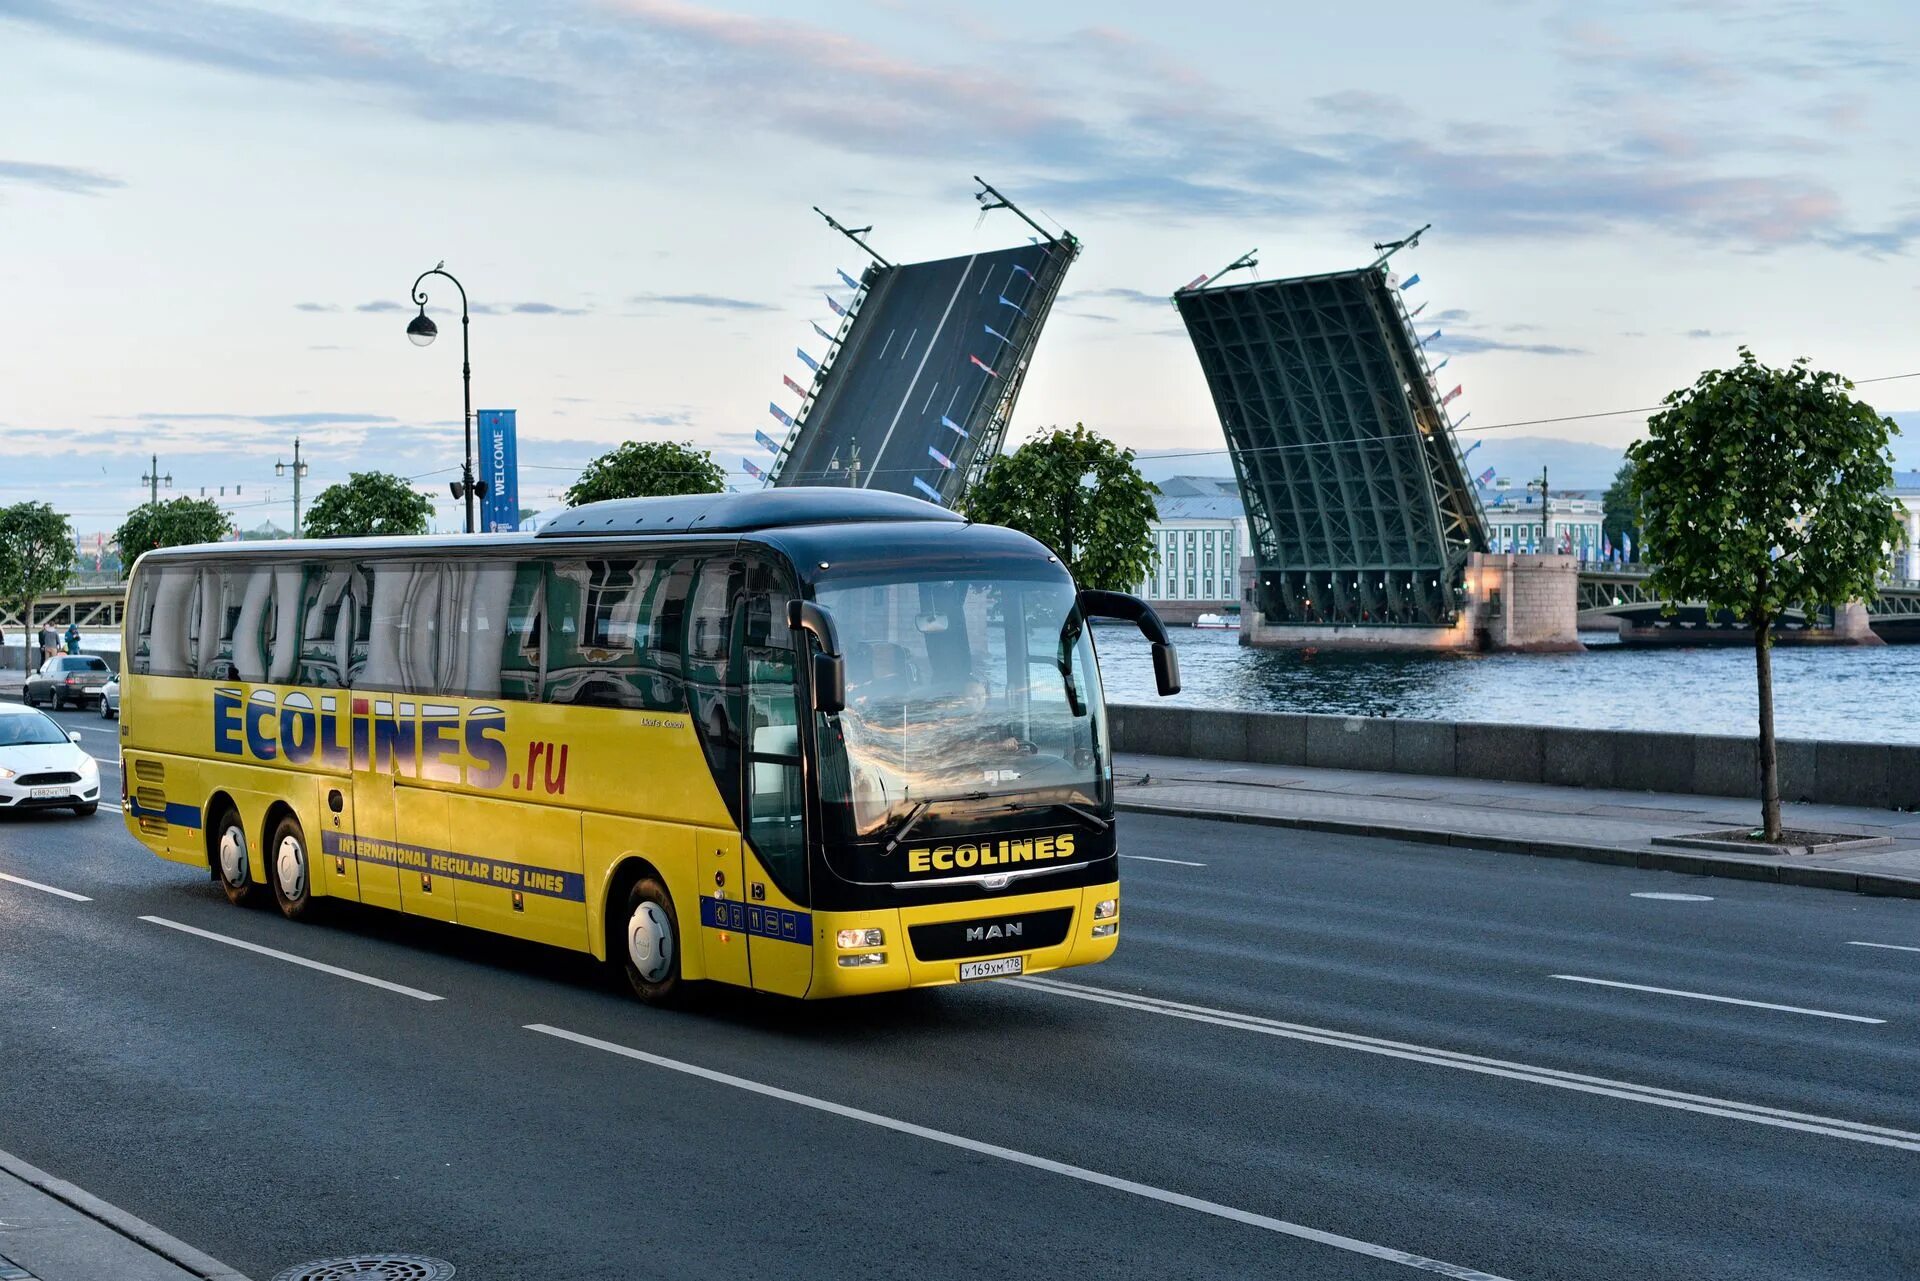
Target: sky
<point>211,214</point>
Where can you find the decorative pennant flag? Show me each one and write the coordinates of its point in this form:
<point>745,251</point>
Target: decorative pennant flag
<point>851,282</point>
<point>1011,303</point>
<point>752,471</point>
<point>807,360</point>
<point>940,458</point>
<point>1410,282</point>
<point>984,365</point>
<point>997,334</point>
<point>1442,365</point>
<point>1626,544</point>
<point>823,333</point>
<point>948,422</point>
<point>1430,337</point>
<point>926,489</point>
<point>1606,546</point>
<point>1416,311</point>
<point>771,445</point>
<point>1196,282</point>
<point>1448,399</point>
<point>838,310</point>
<point>1484,479</point>
<point>1023,271</point>
<point>794,386</point>
<point>1455,424</point>
<point>780,413</point>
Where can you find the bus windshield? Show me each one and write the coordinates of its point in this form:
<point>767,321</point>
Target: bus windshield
<point>960,688</point>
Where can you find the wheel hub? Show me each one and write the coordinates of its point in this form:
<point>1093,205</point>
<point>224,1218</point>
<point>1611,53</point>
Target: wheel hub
<point>650,941</point>
<point>290,865</point>
<point>233,855</point>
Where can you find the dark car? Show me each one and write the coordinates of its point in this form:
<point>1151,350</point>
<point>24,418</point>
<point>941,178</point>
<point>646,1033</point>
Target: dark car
<point>67,678</point>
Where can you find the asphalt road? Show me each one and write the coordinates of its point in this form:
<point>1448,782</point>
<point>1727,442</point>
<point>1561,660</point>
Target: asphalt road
<point>1300,1035</point>
<point>908,363</point>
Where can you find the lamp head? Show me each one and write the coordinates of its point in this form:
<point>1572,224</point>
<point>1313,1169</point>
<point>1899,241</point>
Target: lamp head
<point>421,328</point>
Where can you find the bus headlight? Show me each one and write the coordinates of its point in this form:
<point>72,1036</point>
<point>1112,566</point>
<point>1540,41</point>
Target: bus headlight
<point>1106,908</point>
<point>863,959</point>
<point>1107,930</point>
<point>861,938</point>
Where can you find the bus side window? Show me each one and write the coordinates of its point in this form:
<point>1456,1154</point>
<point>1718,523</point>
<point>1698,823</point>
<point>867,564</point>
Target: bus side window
<point>775,794</point>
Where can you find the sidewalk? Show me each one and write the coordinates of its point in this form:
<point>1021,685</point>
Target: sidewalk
<point>53,1231</point>
<point>1523,818</point>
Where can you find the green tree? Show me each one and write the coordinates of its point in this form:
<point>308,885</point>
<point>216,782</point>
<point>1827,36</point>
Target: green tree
<point>36,548</point>
<point>645,468</point>
<point>1762,490</point>
<point>1080,494</point>
<point>366,504</point>
<point>1620,508</point>
<point>171,524</point>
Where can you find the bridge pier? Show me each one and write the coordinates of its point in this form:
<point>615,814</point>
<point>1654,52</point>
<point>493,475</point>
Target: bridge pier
<point>1529,604</point>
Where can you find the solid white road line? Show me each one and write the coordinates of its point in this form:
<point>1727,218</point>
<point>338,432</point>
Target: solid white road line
<point>277,955</point>
<point>1148,858</point>
<point>1722,1000</point>
<point>1607,1087</point>
<point>109,805</point>
<point>1891,947</point>
<point>1016,1157</point>
<point>45,889</point>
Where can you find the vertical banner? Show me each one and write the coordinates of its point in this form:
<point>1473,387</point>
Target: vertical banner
<point>500,469</point>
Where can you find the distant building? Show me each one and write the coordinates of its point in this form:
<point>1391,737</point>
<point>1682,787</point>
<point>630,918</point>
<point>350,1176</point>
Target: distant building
<point>1198,540</point>
<point>1513,520</point>
<point>1906,492</point>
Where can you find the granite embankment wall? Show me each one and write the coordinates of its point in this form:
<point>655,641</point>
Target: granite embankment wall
<point>1881,775</point>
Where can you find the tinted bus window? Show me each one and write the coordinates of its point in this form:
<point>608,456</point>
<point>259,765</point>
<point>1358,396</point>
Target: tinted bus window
<point>613,631</point>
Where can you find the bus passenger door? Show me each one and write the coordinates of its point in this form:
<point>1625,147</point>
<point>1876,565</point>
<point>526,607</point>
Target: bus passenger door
<point>780,930</point>
<point>372,827</point>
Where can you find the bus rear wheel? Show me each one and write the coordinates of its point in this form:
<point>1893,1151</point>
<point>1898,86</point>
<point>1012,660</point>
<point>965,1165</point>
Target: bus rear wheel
<point>649,943</point>
<point>290,874</point>
<point>232,861</point>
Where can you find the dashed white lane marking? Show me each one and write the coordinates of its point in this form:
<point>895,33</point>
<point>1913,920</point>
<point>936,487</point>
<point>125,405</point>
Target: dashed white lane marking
<point>1675,898</point>
<point>109,805</point>
<point>1891,947</point>
<point>1831,1127</point>
<point>1722,1000</point>
<point>1148,858</point>
<point>1016,1157</point>
<point>45,889</point>
<point>291,959</point>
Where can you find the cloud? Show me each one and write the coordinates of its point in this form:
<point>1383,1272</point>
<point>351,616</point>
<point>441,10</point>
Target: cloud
<point>1140,296</point>
<point>1710,333</point>
<point>380,304</point>
<point>316,306</point>
<point>712,302</point>
<point>303,419</point>
<point>1460,344</point>
<point>64,178</point>
<point>662,418</point>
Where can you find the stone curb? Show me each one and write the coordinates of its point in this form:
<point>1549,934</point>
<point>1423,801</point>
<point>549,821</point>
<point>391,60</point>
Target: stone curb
<point>1746,869</point>
<point>139,1231</point>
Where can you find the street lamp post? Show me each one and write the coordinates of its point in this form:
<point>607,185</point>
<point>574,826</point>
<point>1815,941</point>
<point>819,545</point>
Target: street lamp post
<point>422,331</point>
<point>153,480</point>
<point>1546,509</point>
<point>299,470</point>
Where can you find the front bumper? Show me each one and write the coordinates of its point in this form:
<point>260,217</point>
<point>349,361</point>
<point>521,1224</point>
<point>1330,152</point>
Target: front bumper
<point>15,797</point>
<point>903,965</point>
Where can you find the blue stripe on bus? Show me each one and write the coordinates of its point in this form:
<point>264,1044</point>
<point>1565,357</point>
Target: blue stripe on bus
<point>175,812</point>
<point>752,918</point>
<point>500,874</point>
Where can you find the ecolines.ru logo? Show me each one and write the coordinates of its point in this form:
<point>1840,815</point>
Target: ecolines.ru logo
<point>406,739</point>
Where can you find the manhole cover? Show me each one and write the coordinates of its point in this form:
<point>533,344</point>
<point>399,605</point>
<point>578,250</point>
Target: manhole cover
<point>370,1267</point>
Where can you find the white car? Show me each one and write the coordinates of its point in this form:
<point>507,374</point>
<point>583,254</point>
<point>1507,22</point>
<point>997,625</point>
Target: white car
<point>42,766</point>
<point>110,700</point>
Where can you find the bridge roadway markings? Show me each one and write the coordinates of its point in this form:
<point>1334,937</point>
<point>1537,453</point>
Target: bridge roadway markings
<point>291,959</point>
<point>1016,1157</point>
<point>1891,947</point>
<point>45,889</point>
<point>880,454</point>
<point>1706,1104</point>
<point>1148,858</point>
<point>1722,1000</point>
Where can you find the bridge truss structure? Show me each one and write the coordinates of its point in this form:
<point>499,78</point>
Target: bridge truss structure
<point>1359,504</point>
<point>920,381</point>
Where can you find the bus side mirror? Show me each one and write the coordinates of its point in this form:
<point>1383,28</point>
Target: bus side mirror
<point>828,669</point>
<point>829,682</point>
<point>1166,669</point>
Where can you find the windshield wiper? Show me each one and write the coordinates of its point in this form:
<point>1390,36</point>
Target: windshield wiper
<point>1098,820</point>
<point>912,817</point>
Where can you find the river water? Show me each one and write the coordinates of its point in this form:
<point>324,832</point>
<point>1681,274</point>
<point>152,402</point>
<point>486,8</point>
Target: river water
<point>1862,695</point>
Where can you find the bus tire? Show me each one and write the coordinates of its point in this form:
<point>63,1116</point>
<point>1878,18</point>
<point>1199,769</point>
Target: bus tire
<point>291,873</point>
<point>232,860</point>
<point>648,939</point>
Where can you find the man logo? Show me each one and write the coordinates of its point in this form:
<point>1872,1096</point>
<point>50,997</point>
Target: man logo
<point>987,933</point>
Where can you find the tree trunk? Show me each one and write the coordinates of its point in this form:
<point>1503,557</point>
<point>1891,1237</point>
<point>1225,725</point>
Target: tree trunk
<point>1769,758</point>
<point>29,642</point>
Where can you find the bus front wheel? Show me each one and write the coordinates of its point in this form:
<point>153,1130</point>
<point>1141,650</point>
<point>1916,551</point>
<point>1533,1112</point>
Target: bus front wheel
<point>292,884</point>
<point>650,943</point>
<point>232,861</point>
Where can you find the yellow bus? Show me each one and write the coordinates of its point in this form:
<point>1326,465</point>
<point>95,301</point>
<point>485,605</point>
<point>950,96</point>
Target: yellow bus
<point>814,742</point>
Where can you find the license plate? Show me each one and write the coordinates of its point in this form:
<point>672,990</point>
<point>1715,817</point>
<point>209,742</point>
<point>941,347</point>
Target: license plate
<point>1000,967</point>
<point>48,793</point>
